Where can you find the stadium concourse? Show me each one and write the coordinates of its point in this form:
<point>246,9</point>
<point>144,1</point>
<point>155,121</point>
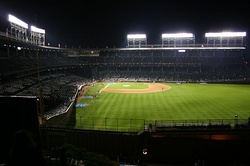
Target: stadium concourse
<point>56,76</point>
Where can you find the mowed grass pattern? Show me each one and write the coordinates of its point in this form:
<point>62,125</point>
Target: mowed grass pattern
<point>181,102</point>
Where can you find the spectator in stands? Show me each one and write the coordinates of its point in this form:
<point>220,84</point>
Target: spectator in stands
<point>24,151</point>
<point>150,126</point>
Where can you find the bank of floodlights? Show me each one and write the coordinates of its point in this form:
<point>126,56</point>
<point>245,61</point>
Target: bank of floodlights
<point>37,35</point>
<point>137,40</point>
<point>178,39</point>
<point>18,28</point>
<point>219,39</point>
<point>19,31</point>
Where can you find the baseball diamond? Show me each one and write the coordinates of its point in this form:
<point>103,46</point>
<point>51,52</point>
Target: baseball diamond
<point>152,87</point>
<point>96,97</point>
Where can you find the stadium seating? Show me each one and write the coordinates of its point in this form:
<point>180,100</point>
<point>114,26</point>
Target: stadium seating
<point>60,74</point>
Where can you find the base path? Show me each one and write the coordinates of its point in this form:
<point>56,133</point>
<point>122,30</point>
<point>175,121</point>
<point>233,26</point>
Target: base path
<point>152,87</point>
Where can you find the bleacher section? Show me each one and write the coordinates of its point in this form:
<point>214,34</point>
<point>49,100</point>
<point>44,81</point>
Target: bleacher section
<point>171,65</point>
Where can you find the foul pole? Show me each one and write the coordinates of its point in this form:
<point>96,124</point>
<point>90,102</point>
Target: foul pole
<point>41,110</point>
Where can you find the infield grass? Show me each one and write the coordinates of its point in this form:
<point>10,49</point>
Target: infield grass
<point>181,102</point>
<point>127,85</point>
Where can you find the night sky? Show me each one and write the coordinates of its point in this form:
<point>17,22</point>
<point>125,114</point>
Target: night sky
<point>106,23</point>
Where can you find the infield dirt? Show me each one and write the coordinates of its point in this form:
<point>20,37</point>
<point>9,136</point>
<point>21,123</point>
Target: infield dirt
<point>152,87</point>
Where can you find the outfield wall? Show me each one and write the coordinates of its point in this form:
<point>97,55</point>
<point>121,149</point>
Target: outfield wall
<point>63,119</point>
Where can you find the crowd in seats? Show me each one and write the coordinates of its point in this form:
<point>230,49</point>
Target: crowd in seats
<point>166,64</point>
<point>61,74</point>
<point>58,91</point>
<point>169,65</point>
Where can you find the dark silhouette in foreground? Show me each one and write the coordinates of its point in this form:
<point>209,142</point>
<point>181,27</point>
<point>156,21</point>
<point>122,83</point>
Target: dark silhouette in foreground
<point>24,151</point>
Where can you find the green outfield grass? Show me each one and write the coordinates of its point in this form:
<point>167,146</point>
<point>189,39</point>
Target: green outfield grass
<point>181,102</point>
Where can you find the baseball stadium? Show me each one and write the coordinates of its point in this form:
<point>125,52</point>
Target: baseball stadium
<point>175,102</point>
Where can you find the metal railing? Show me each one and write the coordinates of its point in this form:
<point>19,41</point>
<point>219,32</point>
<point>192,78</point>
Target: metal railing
<point>139,125</point>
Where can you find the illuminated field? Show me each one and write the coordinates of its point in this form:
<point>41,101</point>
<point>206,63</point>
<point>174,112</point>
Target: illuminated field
<point>126,85</point>
<point>181,102</point>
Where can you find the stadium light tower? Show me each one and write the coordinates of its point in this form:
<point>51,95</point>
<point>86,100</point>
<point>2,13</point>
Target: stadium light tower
<point>18,28</point>
<point>218,39</point>
<point>137,40</point>
<point>178,39</point>
<point>37,35</point>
